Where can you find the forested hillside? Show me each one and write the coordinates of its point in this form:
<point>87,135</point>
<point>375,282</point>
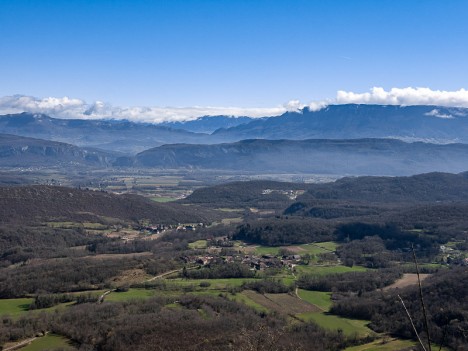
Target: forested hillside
<point>46,203</point>
<point>319,156</point>
<point>446,299</point>
<point>16,151</point>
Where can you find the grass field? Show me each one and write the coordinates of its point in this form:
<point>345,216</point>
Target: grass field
<point>317,248</point>
<point>424,265</point>
<point>130,294</point>
<point>225,209</point>
<point>381,345</point>
<point>14,307</point>
<point>390,344</point>
<point>72,225</point>
<point>325,270</point>
<point>199,244</point>
<point>219,284</point>
<point>332,322</point>
<point>49,342</point>
<point>317,298</point>
<point>231,220</point>
<point>18,307</point>
<point>243,298</point>
<point>163,199</point>
<point>267,250</point>
<point>311,249</point>
<point>208,292</point>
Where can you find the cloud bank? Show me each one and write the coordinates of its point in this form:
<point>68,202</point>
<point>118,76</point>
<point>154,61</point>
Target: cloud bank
<point>75,108</point>
<point>66,107</point>
<point>405,97</point>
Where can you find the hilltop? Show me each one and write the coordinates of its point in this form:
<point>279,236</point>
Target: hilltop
<point>27,204</point>
<point>421,188</point>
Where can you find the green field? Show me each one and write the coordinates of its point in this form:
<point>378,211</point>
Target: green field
<point>248,302</point>
<point>179,286</point>
<point>332,322</point>
<point>73,225</point>
<point>325,270</point>
<point>381,345</point>
<point>130,294</point>
<point>267,250</point>
<point>49,342</point>
<point>215,283</point>
<point>317,248</point>
<point>317,298</point>
<point>231,209</point>
<point>163,199</point>
<point>231,220</point>
<point>18,307</point>
<point>199,244</point>
<point>424,265</point>
<point>311,249</point>
<point>14,307</point>
<point>390,344</point>
<point>208,292</point>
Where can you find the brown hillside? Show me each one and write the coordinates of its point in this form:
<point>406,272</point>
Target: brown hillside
<point>28,204</point>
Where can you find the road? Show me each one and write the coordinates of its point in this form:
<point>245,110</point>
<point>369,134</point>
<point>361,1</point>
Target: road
<point>162,275</point>
<point>20,344</point>
<point>101,298</point>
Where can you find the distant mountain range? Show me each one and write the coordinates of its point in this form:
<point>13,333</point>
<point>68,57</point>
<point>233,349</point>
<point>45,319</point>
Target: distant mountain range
<point>122,136</point>
<point>320,156</point>
<point>209,124</point>
<point>17,151</point>
<point>411,123</point>
<point>416,123</point>
<point>339,139</point>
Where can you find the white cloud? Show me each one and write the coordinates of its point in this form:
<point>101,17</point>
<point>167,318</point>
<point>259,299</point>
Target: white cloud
<point>405,97</point>
<point>436,113</point>
<point>66,107</point>
<point>51,105</point>
<point>294,106</point>
<point>318,105</point>
<point>75,108</point>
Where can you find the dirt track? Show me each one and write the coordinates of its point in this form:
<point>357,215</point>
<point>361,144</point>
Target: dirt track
<point>408,279</point>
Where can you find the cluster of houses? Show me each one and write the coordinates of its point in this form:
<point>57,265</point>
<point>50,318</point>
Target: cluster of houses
<point>254,262</point>
<point>161,228</point>
<point>190,227</point>
<point>453,256</point>
<point>271,261</point>
<point>292,194</point>
<point>155,229</point>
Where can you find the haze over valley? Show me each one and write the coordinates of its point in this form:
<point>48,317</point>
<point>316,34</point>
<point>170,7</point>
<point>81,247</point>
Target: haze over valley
<point>233,175</point>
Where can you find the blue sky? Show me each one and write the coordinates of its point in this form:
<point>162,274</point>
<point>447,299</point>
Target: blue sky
<point>229,53</point>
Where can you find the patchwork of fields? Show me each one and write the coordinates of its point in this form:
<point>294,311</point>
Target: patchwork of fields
<point>299,305</point>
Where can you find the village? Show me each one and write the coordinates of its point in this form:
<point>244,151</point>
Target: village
<point>223,250</point>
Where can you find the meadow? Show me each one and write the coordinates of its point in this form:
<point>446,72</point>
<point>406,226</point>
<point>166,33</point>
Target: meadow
<point>49,342</point>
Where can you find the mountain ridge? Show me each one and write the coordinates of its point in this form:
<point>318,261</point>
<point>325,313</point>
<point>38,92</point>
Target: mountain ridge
<point>18,151</point>
<point>355,121</point>
<point>428,123</point>
<point>112,135</point>
<point>320,156</point>
<point>209,124</point>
